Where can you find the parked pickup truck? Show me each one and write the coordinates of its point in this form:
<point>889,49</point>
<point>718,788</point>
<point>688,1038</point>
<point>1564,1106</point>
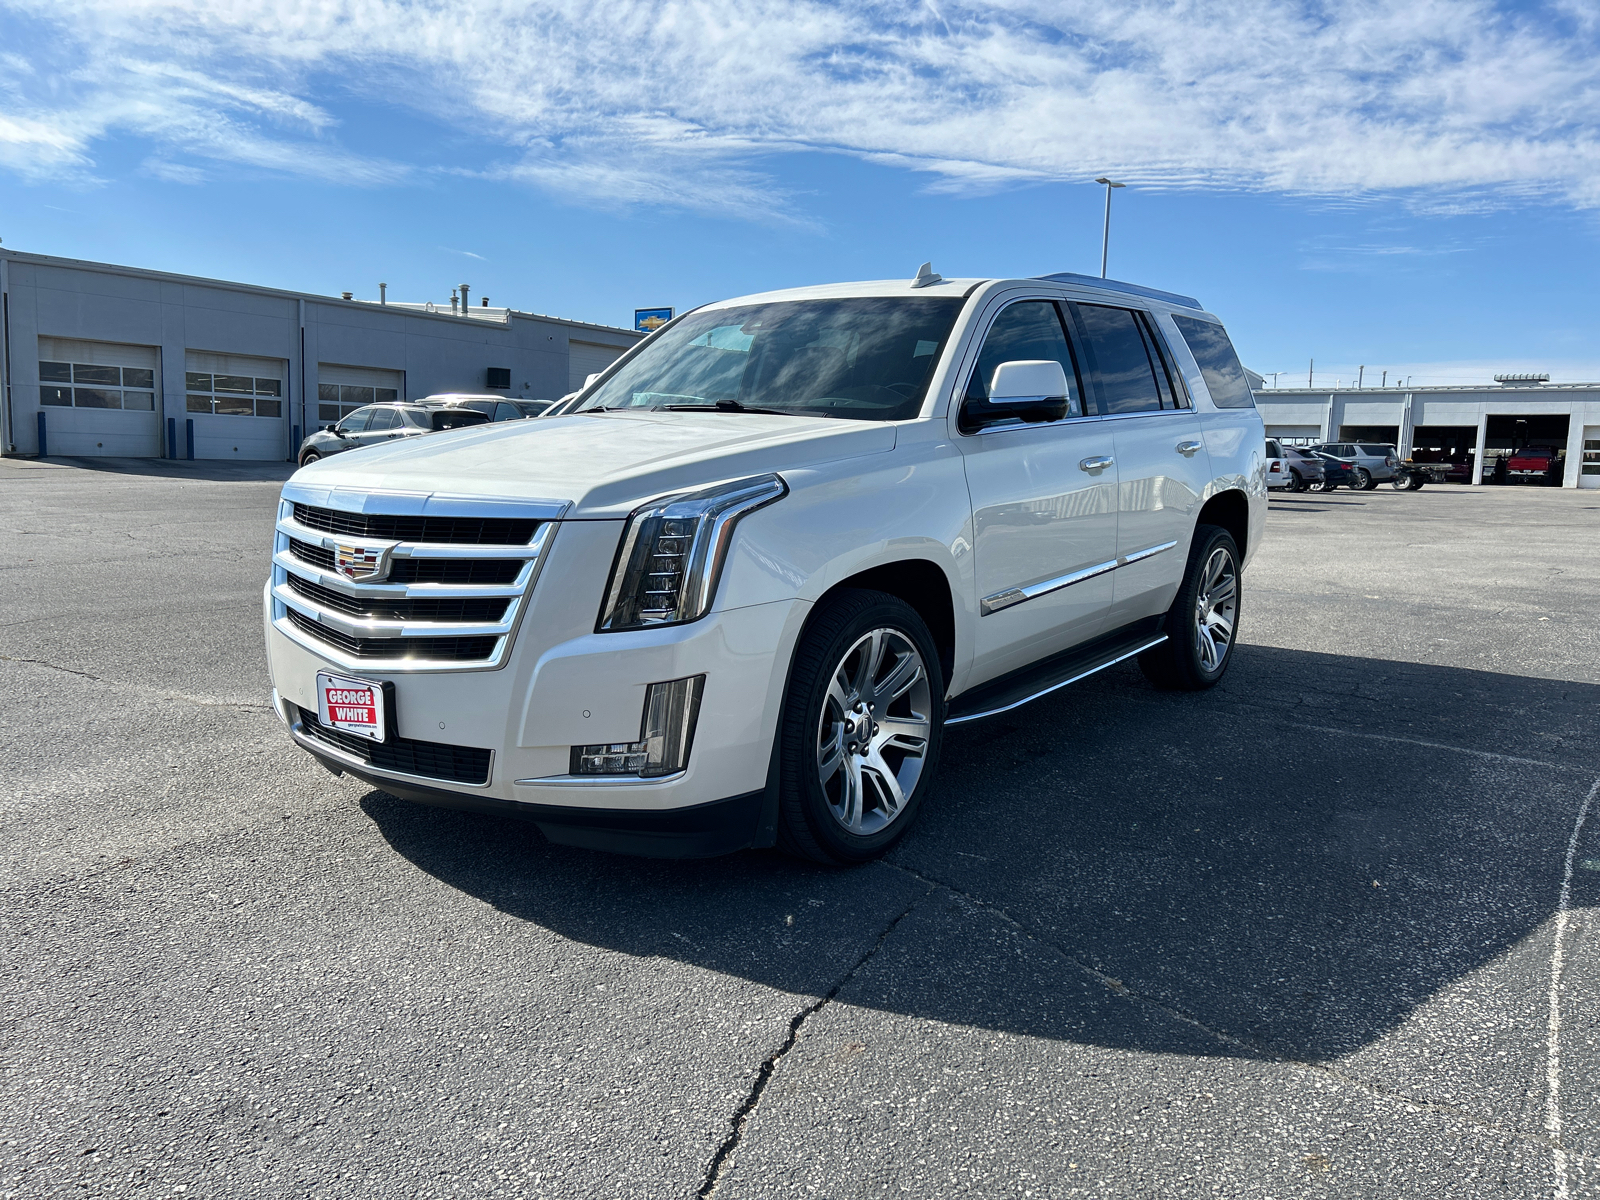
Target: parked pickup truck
<point>1533,464</point>
<point>736,597</point>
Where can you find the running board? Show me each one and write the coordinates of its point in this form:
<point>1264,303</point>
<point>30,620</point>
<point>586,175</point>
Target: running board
<point>1056,672</point>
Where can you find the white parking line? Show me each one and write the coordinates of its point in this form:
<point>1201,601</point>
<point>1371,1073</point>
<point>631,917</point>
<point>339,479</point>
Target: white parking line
<point>1558,958</point>
<point>1489,754</point>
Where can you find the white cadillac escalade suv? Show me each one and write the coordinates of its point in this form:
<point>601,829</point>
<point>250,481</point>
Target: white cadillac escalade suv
<point>734,598</point>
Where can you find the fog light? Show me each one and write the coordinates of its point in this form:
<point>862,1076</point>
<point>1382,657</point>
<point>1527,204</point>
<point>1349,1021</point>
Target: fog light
<point>666,732</point>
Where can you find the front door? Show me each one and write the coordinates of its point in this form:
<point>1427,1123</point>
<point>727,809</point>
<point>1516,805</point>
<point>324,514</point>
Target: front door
<point>1161,457</point>
<point>1044,504</point>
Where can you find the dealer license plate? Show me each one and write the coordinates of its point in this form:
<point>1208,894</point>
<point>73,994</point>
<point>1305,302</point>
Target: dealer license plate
<point>353,705</point>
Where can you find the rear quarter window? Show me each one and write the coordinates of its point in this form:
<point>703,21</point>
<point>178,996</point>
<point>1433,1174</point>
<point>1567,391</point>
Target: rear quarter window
<point>1218,362</point>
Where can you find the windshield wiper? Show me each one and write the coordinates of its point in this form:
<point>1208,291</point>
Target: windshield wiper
<point>725,406</point>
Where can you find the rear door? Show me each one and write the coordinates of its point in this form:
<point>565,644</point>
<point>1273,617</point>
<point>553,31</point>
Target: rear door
<point>1162,464</point>
<point>385,424</point>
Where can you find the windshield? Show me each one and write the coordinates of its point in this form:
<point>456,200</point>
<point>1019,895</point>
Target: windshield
<point>865,359</point>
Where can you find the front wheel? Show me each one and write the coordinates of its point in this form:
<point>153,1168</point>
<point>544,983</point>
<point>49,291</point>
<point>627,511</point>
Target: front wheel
<point>1203,622</point>
<point>863,721</point>
<point>309,457</point>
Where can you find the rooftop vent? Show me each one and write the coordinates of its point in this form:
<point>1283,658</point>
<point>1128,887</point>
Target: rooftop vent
<point>1524,377</point>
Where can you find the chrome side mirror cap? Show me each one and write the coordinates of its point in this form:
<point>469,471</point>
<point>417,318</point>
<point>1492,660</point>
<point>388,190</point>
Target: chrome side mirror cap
<point>1028,381</point>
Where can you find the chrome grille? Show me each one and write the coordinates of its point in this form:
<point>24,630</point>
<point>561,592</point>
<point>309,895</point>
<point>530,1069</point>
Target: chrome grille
<point>467,531</point>
<point>455,575</point>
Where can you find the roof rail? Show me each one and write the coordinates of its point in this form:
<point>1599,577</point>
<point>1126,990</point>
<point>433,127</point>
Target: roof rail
<point>1116,285</point>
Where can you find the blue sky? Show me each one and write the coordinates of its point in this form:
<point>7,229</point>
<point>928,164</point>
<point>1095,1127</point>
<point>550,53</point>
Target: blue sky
<point>1414,191</point>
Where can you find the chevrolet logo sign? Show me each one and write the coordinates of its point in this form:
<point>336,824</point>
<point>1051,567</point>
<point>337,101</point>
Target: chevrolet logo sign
<point>363,564</point>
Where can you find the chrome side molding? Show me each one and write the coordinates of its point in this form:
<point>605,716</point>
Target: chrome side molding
<point>1014,596</point>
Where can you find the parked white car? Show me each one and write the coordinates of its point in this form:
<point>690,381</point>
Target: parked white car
<point>736,597</point>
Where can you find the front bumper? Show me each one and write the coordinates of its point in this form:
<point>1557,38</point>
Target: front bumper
<point>560,685</point>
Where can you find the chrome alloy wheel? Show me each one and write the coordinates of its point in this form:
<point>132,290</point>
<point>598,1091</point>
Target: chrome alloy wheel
<point>1216,607</point>
<point>872,739</point>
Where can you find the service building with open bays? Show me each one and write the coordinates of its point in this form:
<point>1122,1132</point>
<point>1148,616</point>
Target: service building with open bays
<point>1464,424</point>
<point>109,360</point>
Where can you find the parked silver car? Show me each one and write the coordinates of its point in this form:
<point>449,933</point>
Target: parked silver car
<point>1301,469</point>
<point>1370,462</point>
<point>381,423</point>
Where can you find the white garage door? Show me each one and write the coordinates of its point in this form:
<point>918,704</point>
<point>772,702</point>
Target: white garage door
<point>100,397</point>
<point>585,358</point>
<point>342,389</point>
<point>237,403</point>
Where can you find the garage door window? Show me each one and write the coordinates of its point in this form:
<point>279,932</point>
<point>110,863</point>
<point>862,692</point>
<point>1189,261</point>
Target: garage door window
<point>234,395</point>
<point>93,385</point>
<point>335,401</point>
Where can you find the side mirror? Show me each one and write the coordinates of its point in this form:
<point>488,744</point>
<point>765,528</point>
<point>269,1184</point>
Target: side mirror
<point>589,382</point>
<point>1028,381</point>
<point>1032,390</point>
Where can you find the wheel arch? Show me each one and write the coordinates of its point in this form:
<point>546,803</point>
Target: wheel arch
<point>922,584</point>
<point>1231,511</point>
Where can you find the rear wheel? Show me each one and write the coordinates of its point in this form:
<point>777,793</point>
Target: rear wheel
<point>863,721</point>
<point>1203,622</point>
<point>1416,483</point>
<point>1360,480</point>
<point>1401,483</point>
<point>1297,481</point>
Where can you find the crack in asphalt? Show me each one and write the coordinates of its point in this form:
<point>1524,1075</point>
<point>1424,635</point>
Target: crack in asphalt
<point>1251,1049</point>
<point>742,1114</point>
<point>195,700</point>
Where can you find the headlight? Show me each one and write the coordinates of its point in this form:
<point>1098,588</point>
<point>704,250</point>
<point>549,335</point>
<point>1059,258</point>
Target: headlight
<point>672,552</point>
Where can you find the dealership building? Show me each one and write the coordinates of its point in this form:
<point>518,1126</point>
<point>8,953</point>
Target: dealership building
<point>107,360</point>
<point>1475,425</point>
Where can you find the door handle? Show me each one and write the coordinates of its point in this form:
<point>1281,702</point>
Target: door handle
<point>1098,463</point>
<point>1187,449</point>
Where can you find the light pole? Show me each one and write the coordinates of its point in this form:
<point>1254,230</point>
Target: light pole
<point>1105,233</point>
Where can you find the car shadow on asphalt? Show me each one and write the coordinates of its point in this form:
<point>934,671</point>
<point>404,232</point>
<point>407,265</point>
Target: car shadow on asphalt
<point>1242,872</point>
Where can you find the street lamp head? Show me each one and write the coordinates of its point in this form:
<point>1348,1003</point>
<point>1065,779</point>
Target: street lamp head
<point>1108,182</point>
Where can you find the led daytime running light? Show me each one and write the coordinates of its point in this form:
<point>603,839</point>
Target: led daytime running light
<point>673,550</point>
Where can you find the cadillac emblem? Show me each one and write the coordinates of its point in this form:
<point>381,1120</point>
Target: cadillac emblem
<point>362,564</point>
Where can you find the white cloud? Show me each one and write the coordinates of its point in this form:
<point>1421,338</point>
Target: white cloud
<point>1450,102</point>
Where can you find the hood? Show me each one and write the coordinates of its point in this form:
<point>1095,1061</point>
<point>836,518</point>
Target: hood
<point>603,465</point>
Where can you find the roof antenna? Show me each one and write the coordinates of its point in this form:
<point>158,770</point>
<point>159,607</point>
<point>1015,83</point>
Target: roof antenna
<point>926,277</point>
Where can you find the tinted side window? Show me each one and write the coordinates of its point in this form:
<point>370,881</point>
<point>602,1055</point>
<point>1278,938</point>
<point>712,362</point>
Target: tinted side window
<point>1174,392</point>
<point>1273,451</point>
<point>1027,330</point>
<point>356,422</point>
<point>507,412</point>
<point>384,418</point>
<point>1121,359</point>
<point>1219,363</point>
<point>1380,451</point>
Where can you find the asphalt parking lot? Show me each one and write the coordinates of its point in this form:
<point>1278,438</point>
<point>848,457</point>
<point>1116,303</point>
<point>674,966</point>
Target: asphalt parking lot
<point>1328,930</point>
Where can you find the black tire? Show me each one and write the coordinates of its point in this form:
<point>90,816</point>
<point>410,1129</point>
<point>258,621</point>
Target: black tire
<point>309,457</point>
<point>1179,663</point>
<point>1299,484</point>
<point>1361,481</point>
<point>808,825</point>
<point>1416,484</point>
